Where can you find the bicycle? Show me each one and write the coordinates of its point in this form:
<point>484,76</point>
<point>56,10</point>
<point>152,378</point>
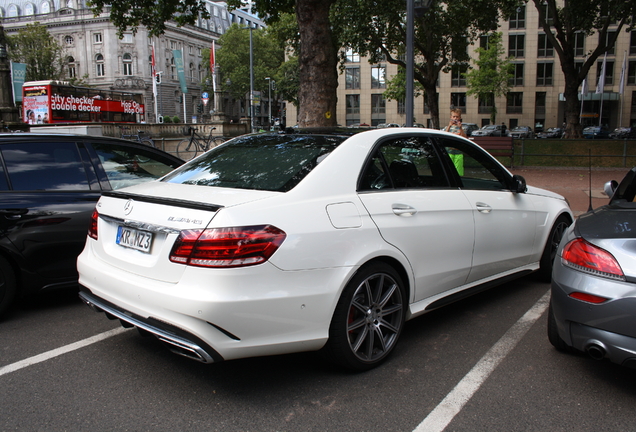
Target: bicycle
<point>188,148</point>
<point>140,136</point>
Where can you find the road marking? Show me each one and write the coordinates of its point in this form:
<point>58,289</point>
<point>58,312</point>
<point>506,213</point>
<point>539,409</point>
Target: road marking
<point>452,404</point>
<point>59,351</point>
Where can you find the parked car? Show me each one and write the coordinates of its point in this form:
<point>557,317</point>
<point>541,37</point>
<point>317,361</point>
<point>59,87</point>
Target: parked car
<point>272,243</point>
<point>469,128</point>
<point>490,130</point>
<point>595,132</point>
<point>554,132</point>
<point>593,305</point>
<point>520,132</point>
<point>387,125</point>
<point>49,186</point>
<point>623,133</point>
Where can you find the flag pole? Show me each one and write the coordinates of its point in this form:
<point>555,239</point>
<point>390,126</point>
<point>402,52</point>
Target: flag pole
<point>621,87</point>
<point>600,88</point>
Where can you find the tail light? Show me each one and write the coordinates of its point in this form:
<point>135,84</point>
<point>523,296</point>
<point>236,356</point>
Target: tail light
<point>583,256</point>
<point>227,247</point>
<point>92,228</point>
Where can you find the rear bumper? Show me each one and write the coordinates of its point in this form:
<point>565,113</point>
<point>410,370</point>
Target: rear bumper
<point>178,341</point>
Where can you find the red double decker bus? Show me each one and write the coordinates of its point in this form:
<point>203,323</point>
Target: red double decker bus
<point>61,102</point>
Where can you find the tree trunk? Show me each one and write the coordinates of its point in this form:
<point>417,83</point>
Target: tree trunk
<point>318,64</point>
<point>573,128</point>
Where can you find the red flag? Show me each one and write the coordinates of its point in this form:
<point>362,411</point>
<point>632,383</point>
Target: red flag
<point>154,69</point>
<point>212,57</point>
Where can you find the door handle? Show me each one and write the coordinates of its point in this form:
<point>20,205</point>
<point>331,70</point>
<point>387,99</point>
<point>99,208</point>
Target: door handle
<point>403,210</point>
<point>483,207</point>
<point>13,214</point>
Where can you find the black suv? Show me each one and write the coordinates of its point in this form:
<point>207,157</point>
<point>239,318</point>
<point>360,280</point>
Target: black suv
<point>49,185</point>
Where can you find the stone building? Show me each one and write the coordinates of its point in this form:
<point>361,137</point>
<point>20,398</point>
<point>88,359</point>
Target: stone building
<point>95,54</point>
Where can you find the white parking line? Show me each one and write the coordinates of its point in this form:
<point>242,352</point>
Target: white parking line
<point>452,404</point>
<point>59,351</point>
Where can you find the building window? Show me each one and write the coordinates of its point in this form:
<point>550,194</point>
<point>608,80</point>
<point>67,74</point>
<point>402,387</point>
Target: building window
<point>174,45</point>
<point>353,109</point>
<point>631,72</point>
<point>486,104</point>
<point>13,11</point>
<point>579,44</point>
<point>351,56</point>
<point>71,71</point>
<point>127,38</point>
<point>518,19</point>
<point>378,79</point>
<point>545,46</point>
<point>458,75</point>
<point>517,75</point>
<point>68,40</point>
<point>549,19</point>
<point>516,45</point>
<point>458,101</point>
<point>45,7</point>
<point>514,103</point>
<point>191,66</point>
<point>609,72</point>
<point>544,74</point>
<point>484,42</point>
<point>127,64</point>
<point>632,42</point>
<point>173,69</point>
<point>352,78</point>
<point>29,9</point>
<point>99,65</point>
<point>378,109</point>
<point>539,104</point>
<point>611,48</point>
<point>401,107</point>
<point>97,38</point>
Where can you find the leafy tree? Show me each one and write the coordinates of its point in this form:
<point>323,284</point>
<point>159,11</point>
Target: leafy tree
<point>43,55</point>
<point>442,35</point>
<point>563,24</point>
<point>491,79</point>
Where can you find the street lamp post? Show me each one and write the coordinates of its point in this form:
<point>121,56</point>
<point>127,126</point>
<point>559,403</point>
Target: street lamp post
<point>411,11</point>
<point>269,98</point>
<point>252,82</point>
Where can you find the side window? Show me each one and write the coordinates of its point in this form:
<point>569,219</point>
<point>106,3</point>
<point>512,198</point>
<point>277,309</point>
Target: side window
<point>404,163</point>
<point>475,168</point>
<point>44,166</point>
<point>127,166</point>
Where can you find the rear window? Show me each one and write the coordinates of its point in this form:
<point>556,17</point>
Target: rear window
<point>269,162</point>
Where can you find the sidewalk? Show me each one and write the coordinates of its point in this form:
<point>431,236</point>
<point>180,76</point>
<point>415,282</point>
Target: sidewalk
<point>573,183</point>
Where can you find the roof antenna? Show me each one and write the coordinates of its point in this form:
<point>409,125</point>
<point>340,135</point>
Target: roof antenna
<point>590,208</point>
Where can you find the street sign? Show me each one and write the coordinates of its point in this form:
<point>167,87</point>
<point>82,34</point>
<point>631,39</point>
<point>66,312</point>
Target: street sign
<point>205,98</point>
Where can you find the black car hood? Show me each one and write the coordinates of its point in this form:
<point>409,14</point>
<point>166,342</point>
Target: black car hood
<point>613,221</point>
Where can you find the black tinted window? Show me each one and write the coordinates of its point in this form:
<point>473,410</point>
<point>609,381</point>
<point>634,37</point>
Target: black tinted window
<point>44,166</point>
<point>262,162</point>
<point>127,165</point>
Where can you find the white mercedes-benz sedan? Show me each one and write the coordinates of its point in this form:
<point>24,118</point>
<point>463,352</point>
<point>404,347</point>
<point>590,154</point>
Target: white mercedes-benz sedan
<point>280,243</point>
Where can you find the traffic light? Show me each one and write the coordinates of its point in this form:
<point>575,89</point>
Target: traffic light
<point>200,108</point>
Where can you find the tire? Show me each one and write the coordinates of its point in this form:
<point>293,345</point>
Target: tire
<point>552,245</point>
<point>148,142</point>
<point>187,150</point>
<point>217,141</point>
<point>553,333</point>
<point>8,286</point>
<point>368,319</point>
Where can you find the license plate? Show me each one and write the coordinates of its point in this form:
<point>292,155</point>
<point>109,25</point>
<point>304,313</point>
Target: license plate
<point>134,239</point>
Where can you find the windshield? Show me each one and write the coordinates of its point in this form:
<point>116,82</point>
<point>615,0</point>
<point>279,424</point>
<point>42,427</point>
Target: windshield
<point>269,162</point>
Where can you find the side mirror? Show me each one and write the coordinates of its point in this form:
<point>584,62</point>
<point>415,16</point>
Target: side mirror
<point>518,184</point>
<point>610,187</point>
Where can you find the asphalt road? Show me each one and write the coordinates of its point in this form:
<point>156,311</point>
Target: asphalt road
<point>483,364</point>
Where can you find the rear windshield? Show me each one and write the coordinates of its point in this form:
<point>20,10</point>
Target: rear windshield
<point>269,162</point>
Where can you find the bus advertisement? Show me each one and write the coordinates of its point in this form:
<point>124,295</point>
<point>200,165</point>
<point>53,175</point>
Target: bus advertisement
<point>60,102</point>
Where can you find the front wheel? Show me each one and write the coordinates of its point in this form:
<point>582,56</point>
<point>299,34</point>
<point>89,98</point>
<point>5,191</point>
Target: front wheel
<point>148,142</point>
<point>552,245</point>
<point>187,149</point>
<point>368,319</point>
<point>8,286</point>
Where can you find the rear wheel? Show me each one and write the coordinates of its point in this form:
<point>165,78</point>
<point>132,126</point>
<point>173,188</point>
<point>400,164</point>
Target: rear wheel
<point>368,319</point>
<point>186,149</point>
<point>8,286</point>
<point>217,141</point>
<point>549,252</point>
<point>148,142</point>
<point>553,333</point>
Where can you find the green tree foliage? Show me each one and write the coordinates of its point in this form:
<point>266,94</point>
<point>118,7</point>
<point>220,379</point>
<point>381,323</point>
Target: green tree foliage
<point>442,35</point>
<point>42,54</point>
<point>491,77</point>
<point>563,22</point>
<point>152,14</point>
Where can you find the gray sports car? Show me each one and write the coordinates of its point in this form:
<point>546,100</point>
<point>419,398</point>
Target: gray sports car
<point>593,305</point>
